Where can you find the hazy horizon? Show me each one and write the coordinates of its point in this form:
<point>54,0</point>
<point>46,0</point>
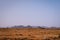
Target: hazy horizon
<point>30,12</point>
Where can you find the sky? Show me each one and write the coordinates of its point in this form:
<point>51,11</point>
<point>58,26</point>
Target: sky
<point>30,12</point>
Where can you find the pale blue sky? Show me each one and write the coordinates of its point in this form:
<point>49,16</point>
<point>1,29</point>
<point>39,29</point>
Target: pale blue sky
<point>30,12</point>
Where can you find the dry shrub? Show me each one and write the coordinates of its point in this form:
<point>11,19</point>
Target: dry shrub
<point>19,34</point>
<point>46,39</point>
<point>26,39</point>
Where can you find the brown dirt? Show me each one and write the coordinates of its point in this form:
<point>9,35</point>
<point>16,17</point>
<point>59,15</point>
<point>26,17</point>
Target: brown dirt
<point>29,34</point>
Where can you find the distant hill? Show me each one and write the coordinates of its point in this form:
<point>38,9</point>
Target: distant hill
<point>20,26</point>
<point>28,26</point>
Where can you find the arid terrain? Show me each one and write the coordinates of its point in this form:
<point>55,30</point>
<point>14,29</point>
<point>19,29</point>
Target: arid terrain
<point>29,34</point>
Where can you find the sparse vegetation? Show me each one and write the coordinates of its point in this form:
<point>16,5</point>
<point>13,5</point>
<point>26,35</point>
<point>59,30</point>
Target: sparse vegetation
<point>29,34</point>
